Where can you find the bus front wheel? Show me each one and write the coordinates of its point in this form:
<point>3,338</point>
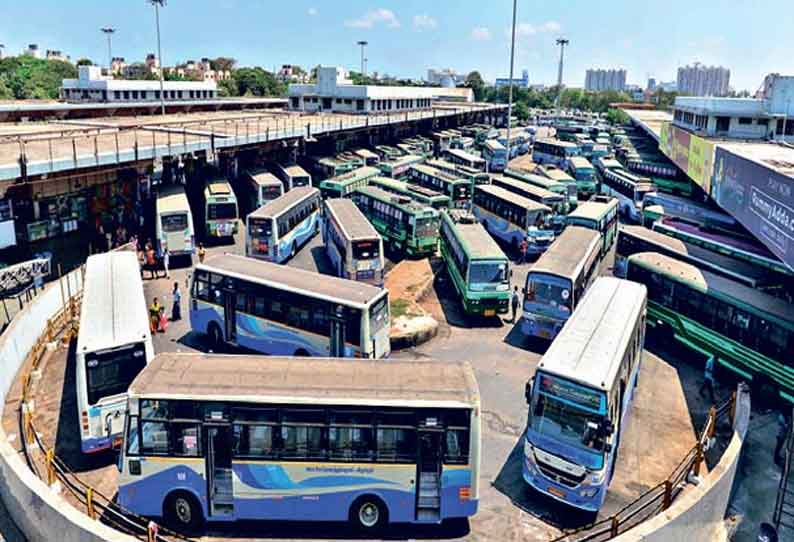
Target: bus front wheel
<point>182,511</point>
<point>216,337</point>
<point>369,514</point>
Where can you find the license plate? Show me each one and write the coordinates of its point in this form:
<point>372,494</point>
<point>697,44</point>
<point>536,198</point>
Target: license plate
<point>557,492</point>
<point>489,312</point>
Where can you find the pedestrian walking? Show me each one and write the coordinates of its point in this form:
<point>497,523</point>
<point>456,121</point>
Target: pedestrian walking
<point>515,301</point>
<point>176,310</point>
<point>154,315</point>
<point>151,262</point>
<point>166,262</point>
<point>524,247</point>
<point>782,433</point>
<point>201,252</point>
<point>708,379</point>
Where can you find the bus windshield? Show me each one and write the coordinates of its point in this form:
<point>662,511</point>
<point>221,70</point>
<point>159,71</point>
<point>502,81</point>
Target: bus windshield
<point>220,211</point>
<point>568,413</point>
<point>109,373</point>
<point>548,291</point>
<point>366,250</point>
<point>271,192</point>
<point>426,227</point>
<point>300,181</point>
<point>485,274</point>
<point>172,223</point>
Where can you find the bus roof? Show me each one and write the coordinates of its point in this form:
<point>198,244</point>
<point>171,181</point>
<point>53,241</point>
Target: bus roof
<point>351,219</point>
<point>466,155</point>
<point>580,162</point>
<point>610,163</point>
<point>295,171</point>
<point>493,145</point>
<point>706,282</point>
<point>365,153</point>
<point>171,198</point>
<point>593,210</point>
<point>426,383</point>
<point>556,174</point>
<point>589,349</point>
<point>410,206</point>
<point>400,160</point>
<point>558,143</point>
<point>218,187</point>
<point>358,173</point>
<point>435,172</point>
<point>275,207</point>
<point>113,308</point>
<point>327,287</point>
<point>504,194</point>
<point>476,241</point>
<point>568,252</point>
<point>263,177</point>
<point>527,187</point>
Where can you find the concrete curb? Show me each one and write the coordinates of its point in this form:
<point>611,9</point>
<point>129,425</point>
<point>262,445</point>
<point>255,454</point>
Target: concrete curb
<point>424,329</point>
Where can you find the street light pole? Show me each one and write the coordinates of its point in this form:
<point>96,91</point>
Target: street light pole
<point>109,31</point>
<point>562,42</point>
<point>510,84</point>
<point>362,44</point>
<point>157,5</point>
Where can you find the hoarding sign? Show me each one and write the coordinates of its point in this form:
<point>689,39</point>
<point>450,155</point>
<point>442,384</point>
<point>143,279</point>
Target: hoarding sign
<point>761,199</point>
<point>693,154</point>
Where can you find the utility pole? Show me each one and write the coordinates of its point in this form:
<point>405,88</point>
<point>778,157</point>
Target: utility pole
<point>109,31</point>
<point>157,5</point>
<point>362,44</point>
<point>510,85</point>
<point>562,42</point>
<point>1,49</point>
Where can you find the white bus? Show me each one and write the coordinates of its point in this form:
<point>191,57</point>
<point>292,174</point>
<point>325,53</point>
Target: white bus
<point>281,310</point>
<point>463,158</point>
<point>113,345</point>
<point>369,157</point>
<point>292,176</point>
<point>174,222</point>
<point>353,245</point>
<point>276,230</point>
<point>559,279</point>
<point>581,394</point>
<point>551,151</point>
<point>262,186</point>
<point>275,438</point>
<point>220,208</point>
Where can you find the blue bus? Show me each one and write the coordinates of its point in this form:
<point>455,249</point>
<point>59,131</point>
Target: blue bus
<point>275,231</point>
<point>551,151</point>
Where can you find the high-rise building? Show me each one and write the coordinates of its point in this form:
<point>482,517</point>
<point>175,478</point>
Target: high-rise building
<point>597,80</point>
<point>651,84</point>
<point>700,80</point>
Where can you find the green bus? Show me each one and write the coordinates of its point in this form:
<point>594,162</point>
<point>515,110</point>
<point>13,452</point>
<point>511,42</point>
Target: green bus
<point>583,171</point>
<point>465,172</point>
<point>387,152</point>
<point>458,189</point>
<point>749,332</point>
<point>343,185</point>
<point>328,166</point>
<point>599,214</point>
<point>544,183</point>
<point>558,175</point>
<point>477,266</point>
<point>419,194</point>
<point>400,166</point>
<point>404,224</point>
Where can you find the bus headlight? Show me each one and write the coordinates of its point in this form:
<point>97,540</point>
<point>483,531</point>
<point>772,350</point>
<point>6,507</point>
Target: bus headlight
<point>589,492</point>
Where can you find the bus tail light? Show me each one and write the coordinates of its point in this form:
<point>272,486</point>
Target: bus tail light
<point>84,421</point>
<point>464,493</point>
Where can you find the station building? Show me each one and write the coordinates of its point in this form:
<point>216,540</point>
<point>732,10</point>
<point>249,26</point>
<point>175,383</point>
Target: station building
<point>92,86</point>
<point>335,92</point>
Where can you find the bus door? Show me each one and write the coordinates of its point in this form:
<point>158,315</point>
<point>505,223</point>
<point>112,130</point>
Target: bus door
<point>230,315</point>
<point>220,488</point>
<point>428,488</point>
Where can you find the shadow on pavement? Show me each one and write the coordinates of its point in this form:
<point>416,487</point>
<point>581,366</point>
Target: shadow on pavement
<point>321,261</point>
<point>510,482</point>
<point>519,340</point>
<point>451,305</point>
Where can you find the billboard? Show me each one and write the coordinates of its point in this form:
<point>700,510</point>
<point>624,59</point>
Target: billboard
<point>758,197</point>
<point>693,154</point>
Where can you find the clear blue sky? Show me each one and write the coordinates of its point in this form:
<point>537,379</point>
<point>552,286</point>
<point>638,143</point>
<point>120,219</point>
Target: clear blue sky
<point>408,36</point>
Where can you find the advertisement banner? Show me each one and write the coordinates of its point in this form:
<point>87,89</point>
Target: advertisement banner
<point>701,162</point>
<point>761,199</point>
<point>666,139</point>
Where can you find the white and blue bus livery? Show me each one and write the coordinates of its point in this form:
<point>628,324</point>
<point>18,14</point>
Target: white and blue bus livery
<point>352,243</point>
<point>275,231</point>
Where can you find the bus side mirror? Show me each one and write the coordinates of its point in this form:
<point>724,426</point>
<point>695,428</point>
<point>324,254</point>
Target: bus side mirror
<point>528,390</point>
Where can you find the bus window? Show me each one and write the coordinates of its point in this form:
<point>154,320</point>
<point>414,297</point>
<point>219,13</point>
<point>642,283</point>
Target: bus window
<point>173,223</point>
<point>220,211</point>
<point>364,250</point>
<point>483,274</point>
<point>110,373</point>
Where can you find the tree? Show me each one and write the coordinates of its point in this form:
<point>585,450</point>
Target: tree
<point>5,92</point>
<point>617,117</point>
<point>475,82</point>
<point>34,78</point>
<point>223,63</point>
<point>521,111</point>
<point>255,82</point>
<point>84,62</point>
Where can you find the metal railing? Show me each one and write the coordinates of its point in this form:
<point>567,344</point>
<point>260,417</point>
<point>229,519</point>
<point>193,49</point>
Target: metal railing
<point>783,517</point>
<point>660,497</point>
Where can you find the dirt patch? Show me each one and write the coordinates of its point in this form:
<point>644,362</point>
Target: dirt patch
<point>408,282</point>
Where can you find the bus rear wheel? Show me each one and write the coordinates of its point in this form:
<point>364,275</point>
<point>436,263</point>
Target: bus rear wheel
<point>215,335</point>
<point>369,514</point>
<point>182,512</point>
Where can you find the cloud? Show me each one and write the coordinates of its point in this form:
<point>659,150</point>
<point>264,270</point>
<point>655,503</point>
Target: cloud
<point>424,22</point>
<point>480,33</point>
<point>524,30</point>
<point>551,26</point>
<point>312,12</point>
<point>373,17</point>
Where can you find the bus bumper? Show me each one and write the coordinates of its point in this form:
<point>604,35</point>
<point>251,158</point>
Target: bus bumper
<point>588,498</point>
<point>486,307</point>
<point>533,326</point>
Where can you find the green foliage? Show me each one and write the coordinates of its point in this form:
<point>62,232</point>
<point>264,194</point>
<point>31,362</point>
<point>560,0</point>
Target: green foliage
<point>253,82</point>
<point>521,111</point>
<point>34,78</point>
<point>475,82</point>
<point>84,62</point>
<point>5,92</point>
<point>617,117</point>
<point>663,99</point>
<point>545,99</point>
<point>223,63</point>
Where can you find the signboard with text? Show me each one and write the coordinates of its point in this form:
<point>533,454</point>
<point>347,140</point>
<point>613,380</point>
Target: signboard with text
<point>691,153</point>
<point>761,199</point>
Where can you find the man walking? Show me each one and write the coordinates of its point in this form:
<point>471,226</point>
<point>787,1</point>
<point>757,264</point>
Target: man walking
<point>708,379</point>
<point>176,310</point>
<point>515,301</point>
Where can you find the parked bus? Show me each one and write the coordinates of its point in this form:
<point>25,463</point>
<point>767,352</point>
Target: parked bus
<point>474,175</point>
<point>343,185</point>
<point>351,158</point>
<point>584,173</point>
<point>600,215</point>
<point>262,187</point>
<point>457,189</point>
<point>555,202</point>
<point>635,239</point>
<point>352,244</point>
<point>220,208</point>
<point>580,396</point>
<point>387,152</point>
<point>326,167</point>
<point>418,193</point>
<point>557,282</point>
<point>404,224</point>
<point>292,176</point>
<point>276,438</point>
<point>284,310</point>
<point>750,333</point>
<point>369,157</point>
<point>513,218</point>
<point>401,166</point>
<point>174,222</point>
<point>550,151</point>
<point>628,189</point>
<point>463,158</point>
<point>495,155</point>
<point>113,345</point>
<point>477,266</point>
<point>566,190</point>
<point>275,231</point>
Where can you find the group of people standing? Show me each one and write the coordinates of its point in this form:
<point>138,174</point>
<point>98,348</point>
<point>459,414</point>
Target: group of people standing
<point>157,317</point>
